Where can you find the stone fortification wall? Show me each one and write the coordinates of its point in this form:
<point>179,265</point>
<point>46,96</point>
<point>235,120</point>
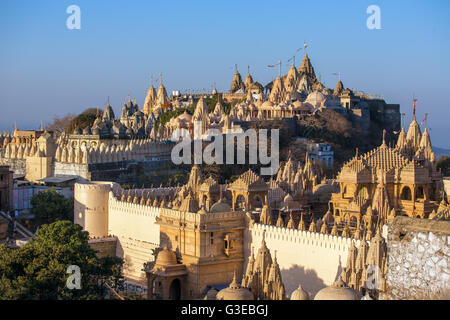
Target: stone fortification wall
<point>311,259</point>
<point>137,234</point>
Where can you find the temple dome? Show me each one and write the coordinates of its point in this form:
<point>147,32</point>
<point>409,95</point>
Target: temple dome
<point>299,294</point>
<point>220,207</point>
<point>185,117</point>
<point>338,291</point>
<point>235,292</point>
<point>166,257</point>
<point>315,98</point>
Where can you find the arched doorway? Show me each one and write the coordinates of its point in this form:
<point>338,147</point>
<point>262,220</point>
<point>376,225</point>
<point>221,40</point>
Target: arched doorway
<point>175,290</point>
<point>406,194</point>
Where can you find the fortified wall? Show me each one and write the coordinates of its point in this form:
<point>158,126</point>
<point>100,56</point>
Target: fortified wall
<point>98,211</point>
<point>314,260</point>
<point>137,234</point>
<point>418,259</point>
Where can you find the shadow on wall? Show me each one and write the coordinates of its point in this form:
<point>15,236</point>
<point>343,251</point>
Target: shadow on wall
<point>308,278</point>
<point>339,270</point>
<point>121,254</point>
<point>164,240</point>
<point>128,267</point>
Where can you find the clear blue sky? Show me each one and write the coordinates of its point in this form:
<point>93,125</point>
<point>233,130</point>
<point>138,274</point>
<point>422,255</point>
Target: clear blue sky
<point>48,70</point>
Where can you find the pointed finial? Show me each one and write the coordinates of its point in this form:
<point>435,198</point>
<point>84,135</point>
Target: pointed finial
<point>384,137</point>
<point>279,72</point>
<point>414,108</point>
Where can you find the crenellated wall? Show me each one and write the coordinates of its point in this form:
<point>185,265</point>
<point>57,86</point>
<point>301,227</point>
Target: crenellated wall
<point>311,259</point>
<point>134,226</point>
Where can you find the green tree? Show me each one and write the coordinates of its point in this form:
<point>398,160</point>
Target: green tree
<point>443,165</point>
<point>84,119</point>
<point>49,206</point>
<point>38,271</point>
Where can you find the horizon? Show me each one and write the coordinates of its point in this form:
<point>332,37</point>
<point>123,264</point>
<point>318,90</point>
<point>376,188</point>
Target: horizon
<point>49,70</point>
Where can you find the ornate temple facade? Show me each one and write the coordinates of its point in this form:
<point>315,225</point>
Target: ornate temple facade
<point>189,241</point>
<point>389,182</point>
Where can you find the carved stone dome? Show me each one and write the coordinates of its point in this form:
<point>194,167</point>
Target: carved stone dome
<point>315,98</point>
<point>166,257</point>
<point>299,294</point>
<point>220,207</point>
<point>235,292</point>
<point>186,117</point>
<point>338,291</point>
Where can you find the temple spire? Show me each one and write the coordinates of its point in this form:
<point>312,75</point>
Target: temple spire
<point>279,71</point>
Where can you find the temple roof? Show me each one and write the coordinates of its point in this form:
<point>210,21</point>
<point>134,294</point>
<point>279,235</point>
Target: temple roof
<point>248,180</point>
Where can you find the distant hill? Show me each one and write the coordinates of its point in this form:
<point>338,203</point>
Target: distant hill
<point>440,152</point>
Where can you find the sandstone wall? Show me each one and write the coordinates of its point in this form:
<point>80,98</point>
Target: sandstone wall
<point>137,234</point>
<point>91,207</point>
<point>72,169</point>
<point>16,165</point>
<point>418,259</point>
